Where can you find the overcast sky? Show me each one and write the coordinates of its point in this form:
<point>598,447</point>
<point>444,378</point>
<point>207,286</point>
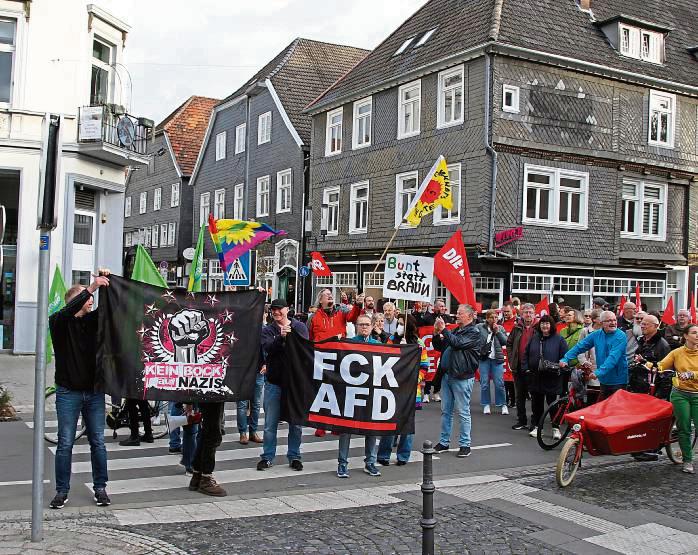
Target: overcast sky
<point>177,48</point>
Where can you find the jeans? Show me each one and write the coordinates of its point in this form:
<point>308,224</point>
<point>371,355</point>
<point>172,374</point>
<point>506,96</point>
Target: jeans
<point>521,389</point>
<point>69,405</point>
<point>455,394</point>
<point>685,410</point>
<point>404,447</point>
<point>369,449</point>
<point>245,425</point>
<point>209,437</point>
<point>272,414</point>
<point>135,406</point>
<point>607,390</point>
<point>184,436</point>
<point>492,368</point>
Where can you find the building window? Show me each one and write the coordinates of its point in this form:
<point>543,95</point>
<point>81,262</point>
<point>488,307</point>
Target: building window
<point>143,202</point>
<point>127,207</point>
<point>641,44</point>
<point>240,136</point>
<point>219,204</point>
<point>442,216</point>
<point>204,208</point>
<point>330,198</point>
<point>409,108</point>
<point>263,196</point>
<point>358,208</point>
<point>405,190</point>
<point>163,235</point>
<point>555,197</point>
<point>102,60</point>
<point>171,227</point>
<point>661,119</point>
<point>8,31</point>
<point>127,239</point>
<point>238,201</point>
<point>283,191</point>
<point>220,145</point>
<point>450,107</point>
<point>425,37</point>
<point>154,234</point>
<point>361,136</point>
<point>146,236</point>
<point>264,128</point>
<point>510,99</point>
<point>157,198</point>
<point>644,210</point>
<point>174,195</point>
<point>404,46</point>
<point>333,134</point>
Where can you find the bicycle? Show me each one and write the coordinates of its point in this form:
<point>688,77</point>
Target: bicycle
<point>117,417</point>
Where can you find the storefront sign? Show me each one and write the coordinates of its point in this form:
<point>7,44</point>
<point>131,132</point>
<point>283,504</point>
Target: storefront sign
<point>91,123</point>
<point>408,277</point>
<point>508,236</point>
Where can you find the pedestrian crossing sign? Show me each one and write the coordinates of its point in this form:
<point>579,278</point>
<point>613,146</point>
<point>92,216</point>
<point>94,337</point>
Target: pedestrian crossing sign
<point>239,271</point>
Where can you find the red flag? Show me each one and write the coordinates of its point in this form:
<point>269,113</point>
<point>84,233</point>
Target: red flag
<point>692,308</point>
<point>318,265</point>
<point>668,316</point>
<point>638,305</point>
<point>621,304</point>
<point>543,307</point>
<point>451,267</point>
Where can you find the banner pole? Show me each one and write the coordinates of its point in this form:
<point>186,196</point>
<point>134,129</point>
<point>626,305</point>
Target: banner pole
<point>386,248</point>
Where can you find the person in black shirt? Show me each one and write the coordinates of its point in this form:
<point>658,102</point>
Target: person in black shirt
<point>74,335</point>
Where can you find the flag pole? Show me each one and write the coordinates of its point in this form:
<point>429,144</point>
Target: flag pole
<point>390,242</point>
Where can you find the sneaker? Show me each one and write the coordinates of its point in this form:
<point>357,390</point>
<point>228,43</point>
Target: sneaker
<point>371,470</point>
<point>195,481</point>
<point>486,410</point>
<point>60,500</point>
<point>440,447</point>
<point>101,498</point>
<point>556,434</point>
<point>263,464</point>
<point>130,441</point>
<point>463,452</point>
<point>383,462</point>
<point>505,409</point>
<point>174,450</point>
<point>147,438</point>
<point>425,398</point>
<point>256,438</point>
<point>533,432</point>
<point>436,398</point>
<point>342,471</point>
<point>520,426</point>
<point>209,486</point>
<point>296,464</point>
<point>687,468</point>
<point>189,472</point>
<point>401,463</point>
<point>244,439</point>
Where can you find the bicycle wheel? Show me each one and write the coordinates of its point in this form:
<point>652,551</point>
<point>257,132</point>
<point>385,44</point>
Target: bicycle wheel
<point>159,414</point>
<point>673,451</point>
<point>51,419</point>
<point>552,420</point>
<point>567,463</point>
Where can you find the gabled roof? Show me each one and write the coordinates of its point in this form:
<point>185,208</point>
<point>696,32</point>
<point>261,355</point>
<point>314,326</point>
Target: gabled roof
<point>557,28</point>
<point>302,71</point>
<point>186,128</point>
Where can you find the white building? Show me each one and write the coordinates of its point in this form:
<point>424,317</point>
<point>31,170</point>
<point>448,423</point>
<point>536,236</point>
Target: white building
<point>62,57</point>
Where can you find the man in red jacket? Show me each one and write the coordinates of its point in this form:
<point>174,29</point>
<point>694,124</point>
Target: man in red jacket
<point>331,320</point>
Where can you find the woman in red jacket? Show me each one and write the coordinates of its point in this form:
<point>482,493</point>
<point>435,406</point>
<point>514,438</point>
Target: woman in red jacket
<point>331,320</point>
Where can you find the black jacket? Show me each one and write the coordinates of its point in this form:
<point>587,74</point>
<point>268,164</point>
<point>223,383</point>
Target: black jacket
<point>273,350</point>
<point>653,350</point>
<point>513,345</point>
<point>553,348</point>
<point>75,345</point>
<point>428,319</point>
<point>460,351</point>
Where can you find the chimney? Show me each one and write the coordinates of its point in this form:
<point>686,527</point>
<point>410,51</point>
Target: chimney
<point>585,4</point>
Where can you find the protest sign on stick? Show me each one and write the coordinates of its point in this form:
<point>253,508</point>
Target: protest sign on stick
<point>408,277</point>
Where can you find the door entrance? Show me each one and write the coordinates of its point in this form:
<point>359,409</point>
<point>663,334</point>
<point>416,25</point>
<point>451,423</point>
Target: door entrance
<point>9,201</point>
<point>287,285</point>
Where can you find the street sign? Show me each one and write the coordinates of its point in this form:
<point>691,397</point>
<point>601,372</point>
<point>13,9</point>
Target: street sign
<point>304,271</point>
<point>163,265</point>
<point>239,273</point>
<point>188,253</point>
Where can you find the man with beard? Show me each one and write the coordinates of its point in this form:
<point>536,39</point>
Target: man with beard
<point>369,306</point>
<point>674,333</point>
<point>632,334</point>
<point>516,348</point>
<point>626,321</point>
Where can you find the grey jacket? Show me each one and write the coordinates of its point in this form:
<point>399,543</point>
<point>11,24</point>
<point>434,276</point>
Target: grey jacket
<point>499,340</point>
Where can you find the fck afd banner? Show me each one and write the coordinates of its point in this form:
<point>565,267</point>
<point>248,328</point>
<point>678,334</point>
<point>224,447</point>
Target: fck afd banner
<point>162,344</point>
<point>345,386</point>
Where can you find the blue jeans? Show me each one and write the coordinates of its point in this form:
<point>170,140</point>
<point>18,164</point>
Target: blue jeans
<point>69,405</point>
<point>186,438</point>
<point>495,370</point>
<point>455,393</point>
<point>272,414</point>
<point>245,425</point>
<point>404,447</point>
<point>369,449</point>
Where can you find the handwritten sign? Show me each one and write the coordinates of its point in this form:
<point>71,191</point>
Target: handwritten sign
<point>408,277</point>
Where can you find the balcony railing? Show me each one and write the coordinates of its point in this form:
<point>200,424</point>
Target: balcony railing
<point>111,125</point>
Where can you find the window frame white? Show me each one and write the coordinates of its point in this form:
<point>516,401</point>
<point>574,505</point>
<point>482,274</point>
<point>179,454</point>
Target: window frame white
<point>157,199</point>
<point>331,128</point>
<point>239,201</point>
<point>634,46</point>
<point>240,138</point>
<point>457,192</point>
<point>12,49</point>
<point>174,195</point>
<point>515,95</point>
<point>143,202</point>
<point>424,38</point>
<point>402,133</point>
<point>284,191</point>
<point>355,203</point>
<point>556,175</point>
<point>99,64</point>
<point>127,239</point>
<point>443,91</point>
<point>404,46</point>
<point>219,204</point>
<point>640,201</point>
<point>127,207</point>
<point>163,235</point>
<point>671,119</point>
<point>204,207</point>
<point>265,179</point>
<point>264,128</point>
<point>358,120</point>
<point>333,207</point>
<point>171,232</point>
<point>221,140</point>
<point>400,178</point>
<point>155,236</point>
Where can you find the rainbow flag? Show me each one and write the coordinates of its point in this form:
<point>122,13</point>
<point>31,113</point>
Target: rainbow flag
<point>233,238</point>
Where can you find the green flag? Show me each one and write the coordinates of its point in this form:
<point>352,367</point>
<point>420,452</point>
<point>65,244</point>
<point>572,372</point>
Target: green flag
<point>56,301</point>
<point>197,264</point>
<point>144,269</point>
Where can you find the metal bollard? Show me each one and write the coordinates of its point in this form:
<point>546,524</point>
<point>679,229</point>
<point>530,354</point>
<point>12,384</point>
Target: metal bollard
<point>427,522</point>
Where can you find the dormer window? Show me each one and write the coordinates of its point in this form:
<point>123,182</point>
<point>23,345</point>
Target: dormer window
<point>641,44</point>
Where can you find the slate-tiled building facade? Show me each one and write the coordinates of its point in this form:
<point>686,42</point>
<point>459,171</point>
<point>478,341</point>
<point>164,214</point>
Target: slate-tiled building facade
<point>576,122</point>
<point>254,161</point>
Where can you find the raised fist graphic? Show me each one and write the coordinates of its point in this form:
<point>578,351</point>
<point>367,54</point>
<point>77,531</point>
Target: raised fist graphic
<point>187,328</point>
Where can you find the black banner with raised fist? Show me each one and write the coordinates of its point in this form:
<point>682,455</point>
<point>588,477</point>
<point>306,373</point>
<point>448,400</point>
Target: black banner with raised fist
<point>165,344</point>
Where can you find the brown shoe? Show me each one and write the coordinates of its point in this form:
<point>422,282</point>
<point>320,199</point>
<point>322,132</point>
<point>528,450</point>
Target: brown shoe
<point>195,481</point>
<point>244,439</point>
<point>209,486</point>
<point>256,438</point>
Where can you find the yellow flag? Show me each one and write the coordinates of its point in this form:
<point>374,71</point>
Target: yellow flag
<point>434,191</point>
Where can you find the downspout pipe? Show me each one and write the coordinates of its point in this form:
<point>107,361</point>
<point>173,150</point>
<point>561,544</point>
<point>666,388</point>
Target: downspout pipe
<point>490,151</point>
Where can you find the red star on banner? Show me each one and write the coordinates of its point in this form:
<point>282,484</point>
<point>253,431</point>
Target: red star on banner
<point>230,338</point>
<point>168,296</point>
<point>151,309</point>
<point>227,316</point>
<point>212,300</point>
<point>142,331</point>
<point>190,294</point>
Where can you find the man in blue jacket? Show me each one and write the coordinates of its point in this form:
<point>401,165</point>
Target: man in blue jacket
<point>609,347</point>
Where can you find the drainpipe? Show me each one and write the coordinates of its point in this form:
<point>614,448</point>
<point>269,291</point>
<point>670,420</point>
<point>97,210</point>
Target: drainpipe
<point>491,151</point>
<point>305,152</point>
<point>246,188</point>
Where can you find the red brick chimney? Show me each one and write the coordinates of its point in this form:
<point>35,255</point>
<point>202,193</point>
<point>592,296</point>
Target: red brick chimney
<point>585,4</point>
